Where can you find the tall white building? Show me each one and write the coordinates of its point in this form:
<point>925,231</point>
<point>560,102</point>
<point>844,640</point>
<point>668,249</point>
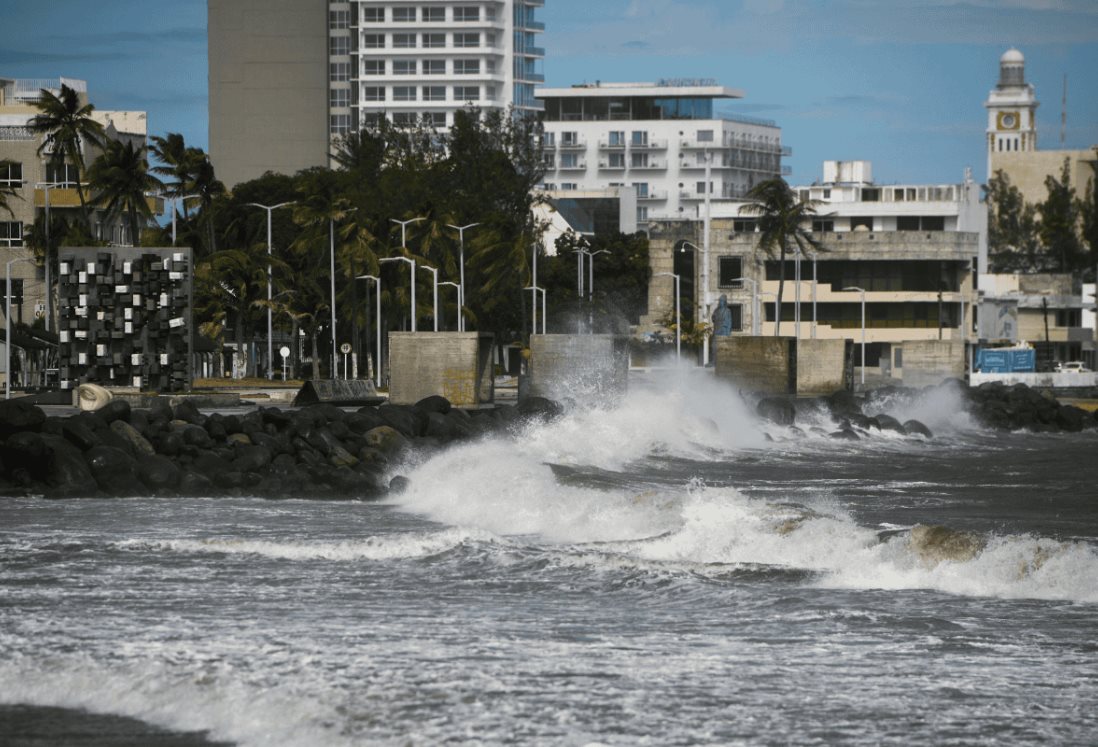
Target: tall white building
<point>1011,110</point>
<point>660,138</point>
<point>287,77</point>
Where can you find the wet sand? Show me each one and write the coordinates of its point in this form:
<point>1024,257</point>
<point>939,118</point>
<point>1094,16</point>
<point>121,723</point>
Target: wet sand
<point>43,726</point>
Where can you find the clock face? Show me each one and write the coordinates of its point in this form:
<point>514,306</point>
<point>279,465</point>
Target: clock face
<point>1008,121</point>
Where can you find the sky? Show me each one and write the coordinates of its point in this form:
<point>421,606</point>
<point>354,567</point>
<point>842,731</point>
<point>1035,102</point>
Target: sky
<point>898,82</point>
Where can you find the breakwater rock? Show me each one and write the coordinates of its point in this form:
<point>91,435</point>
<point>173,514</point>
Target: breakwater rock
<point>319,451</point>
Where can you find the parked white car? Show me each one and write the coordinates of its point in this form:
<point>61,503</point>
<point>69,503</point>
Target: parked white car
<point>1072,367</point>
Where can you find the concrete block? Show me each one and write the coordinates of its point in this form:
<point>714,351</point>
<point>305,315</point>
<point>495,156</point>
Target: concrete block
<point>455,365</point>
<point>929,362</point>
<point>821,366</point>
<point>758,364</point>
<point>580,367</point>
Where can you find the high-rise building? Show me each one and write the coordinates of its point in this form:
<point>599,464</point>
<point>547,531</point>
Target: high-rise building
<point>287,77</point>
<point>660,138</point>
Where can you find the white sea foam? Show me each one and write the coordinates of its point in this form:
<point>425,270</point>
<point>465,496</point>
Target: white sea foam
<point>388,547</point>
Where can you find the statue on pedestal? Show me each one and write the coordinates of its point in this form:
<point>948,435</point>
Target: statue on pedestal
<point>722,318</point>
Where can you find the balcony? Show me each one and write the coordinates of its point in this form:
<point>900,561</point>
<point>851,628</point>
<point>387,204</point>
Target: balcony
<point>608,166</point>
<point>578,144</point>
<point>536,26</point>
<point>575,166</point>
<point>605,144</point>
<point>648,145</point>
<point>650,166</point>
<point>60,197</point>
<point>688,143</point>
<point>652,195</point>
<point>531,51</point>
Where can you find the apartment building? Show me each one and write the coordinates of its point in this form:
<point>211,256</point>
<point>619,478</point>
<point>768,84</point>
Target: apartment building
<point>913,249</point>
<point>668,140</point>
<point>37,183</point>
<point>1052,312</point>
<point>288,77</point>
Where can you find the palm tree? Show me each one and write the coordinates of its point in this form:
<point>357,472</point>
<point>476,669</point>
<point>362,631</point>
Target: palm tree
<point>121,181</point>
<point>781,223</point>
<point>7,191</point>
<point>206,185</point>
<point>67,126</point>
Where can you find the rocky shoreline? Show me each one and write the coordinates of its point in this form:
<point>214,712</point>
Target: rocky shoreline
<point>323,451</point>
<point>319,451</point>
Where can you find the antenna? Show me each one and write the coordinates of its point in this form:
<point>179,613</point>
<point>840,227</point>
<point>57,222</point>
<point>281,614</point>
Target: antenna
<point>1064,112</point>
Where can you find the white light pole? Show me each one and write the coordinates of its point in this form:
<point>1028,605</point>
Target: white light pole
<point>46,187</point>
<point>797,293</point>
<point>535,290</point>
<point>678,313</point>
<point>7,325</point>
<point>270,325</point>
<point>461,263</point>
<point>404,229</point>
<point>434,288</point>
<point>705,244</point>
<point>862,291</point>
<point>173,199</point>
<point>411,262</point>
<point>332,271</point>
<point>533,287</point>
<point>815,284</point>
<point>459,295</point>
<point>377,323</point>
<point>591,272</point>
<point>703,297</point>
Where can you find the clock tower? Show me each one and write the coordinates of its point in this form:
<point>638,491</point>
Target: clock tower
<point>1011,111</point>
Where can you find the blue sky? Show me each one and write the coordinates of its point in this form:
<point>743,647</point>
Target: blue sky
<point>899,83</point>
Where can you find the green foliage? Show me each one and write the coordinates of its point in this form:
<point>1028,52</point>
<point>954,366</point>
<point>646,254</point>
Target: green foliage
<point>1060,221</point>
<point>120,180</point>
<point>1088,211</point>
<point>783,221</point>
<point>1013,244</point>
<point>7,192</point>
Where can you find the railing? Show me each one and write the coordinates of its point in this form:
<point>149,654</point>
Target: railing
<point>744,119</point>
<point>653,194</point>
<point>531,51</point>
<point>607,145</point>
<point>577,166</point>
<point>573,145</point>
<point>612,166</point>
<point>651,165</point>
<point>648,145</point>
<point>30,89</point>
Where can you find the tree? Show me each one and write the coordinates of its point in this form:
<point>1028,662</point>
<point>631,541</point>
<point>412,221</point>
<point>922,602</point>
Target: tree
<point>1013,243</point>
<point>1088,211</point>
<point>1060,219</point>
<point>120,181</point>
<point>782,219</point>
<point>67,126</point>
<point>621,280</point>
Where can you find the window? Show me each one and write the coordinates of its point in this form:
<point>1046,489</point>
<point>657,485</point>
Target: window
<point>549,139</point>
<point>700,188</point>
<point>737,316</point>
<point>373,93</point>
<point>11,233</point>
<point>871,195</point>
<point>932,223</point>
<point>339,71</point>
<point>373,67</point>
<point>339,19</point>
<point>339,97</point>
<point>569,138</point>
<point>434,41</point>
<point>467,40</point>
<point>436,119</point>
<point>404,41</point>
<point>569,160</point>
<point>568,186</point>
<point>339,45</point>
<point>434,67</point>
<point>640,138</point>
<point>404,67</point>
<point>743,226</point>
<point>373,15</point>
<point>863,224</point>
<point>466,13</point>
<point>11,174</point>
<point>372,119</point>
<point>404,119</point>
<point>820,225</point>
<point>404,15</point>
<point>434,15</point>
<point>466,67</point>
<point>466,93</point>
<point>642,189</point>
<point>730,272</point>
<point>642,213</point>
<point>64,173</point>
<point>340,124</point>
<point>404,93</point>
<point>617,161</point>
<point>548,160</point>
<point>373,41</point>
<point>616,137</point>
<point>705,136</point>
<point>907,223</point>
<point>638,160</point>
<point>434,93</point>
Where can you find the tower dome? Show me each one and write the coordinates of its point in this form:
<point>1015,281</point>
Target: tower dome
<point>1012,68</point>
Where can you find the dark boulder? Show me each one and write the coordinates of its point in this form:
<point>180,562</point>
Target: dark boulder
<point>196,484</point>
<point>435,403</point>
<point>843,404</point>
<point>114,470</point>
<point>210,464</point>
<point>777,410</point>
<point>387,440</point>
<point>28,451</point>
<point>889,423</point>
<point>69,475</point>
<point>399,484</point>
<point>407,420</point>
<point>17,415</point>
<point>170,443</point>
<point>139,445</point>
<point>1071,418</point>
<point>915,428</point>
<point>363,420</point>
<point>845,434</point>
<point>251,458</point>
<point>79,433</point>
<point>539,408</point>
<point>116,409</point>
<point>196,435</point>
<point>159,473</point>
<point>187,411</point>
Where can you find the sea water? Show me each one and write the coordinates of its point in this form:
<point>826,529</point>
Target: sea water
<point>666,570</point>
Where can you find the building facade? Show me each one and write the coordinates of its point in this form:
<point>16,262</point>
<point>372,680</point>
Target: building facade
<point>1012,137</point>
<point>37,184</point>
<point>666,140</point>
<point>288,77</point>
<point>913,250</point>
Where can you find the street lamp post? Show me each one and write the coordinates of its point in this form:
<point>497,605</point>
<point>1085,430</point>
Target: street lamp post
<point>434,288</point>
<point>270,317</point>
<point>862,291</point>
<point>591,272</point>
<point>797,293</point>
<point>703,297</point>
<point>7,325</point>
<point>411,262</point>
<point>377,323</point>
<point>46,187</point>
<point>461,264</point>
<point>459,295</point>
<point>678,313</point>
<point>535,290</point>
<point>404,229</point>
<point>815,284</point>
<point>332,271</point>
<point>173,199</point>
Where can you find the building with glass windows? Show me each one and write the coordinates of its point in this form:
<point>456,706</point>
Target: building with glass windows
<point>287,77</point>
<point>661,139</point>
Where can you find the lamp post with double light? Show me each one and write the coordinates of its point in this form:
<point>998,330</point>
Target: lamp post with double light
<point>377,323</point>
<point>678,312</point>
<point>332,271</point>
<point>459,298</point>
<point>461,264</point>
<point>434,289</point>
<point>411,262</point>
<point>703,297</point>
<point>270,317</point>
<point>862,291</point>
